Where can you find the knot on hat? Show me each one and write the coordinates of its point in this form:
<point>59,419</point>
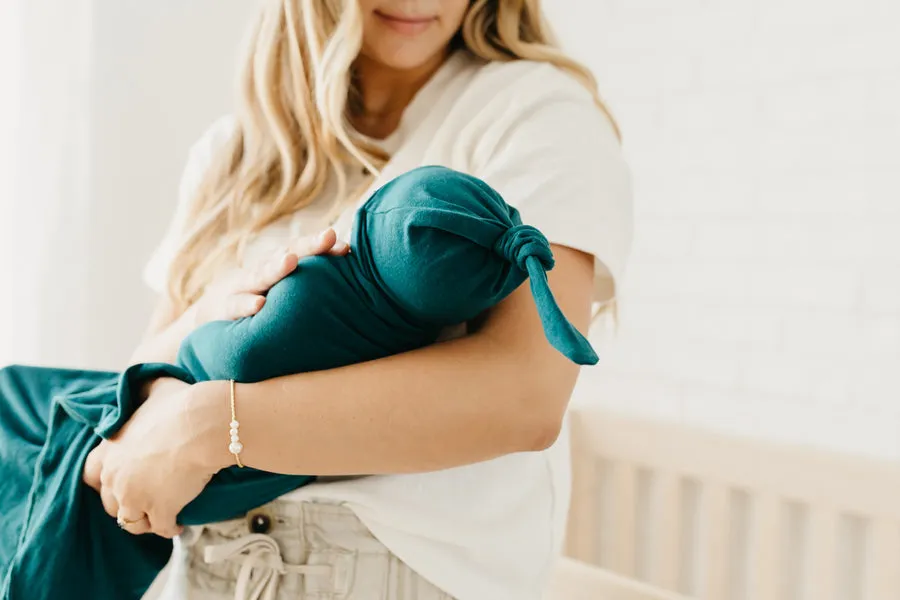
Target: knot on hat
<point>521,242</point>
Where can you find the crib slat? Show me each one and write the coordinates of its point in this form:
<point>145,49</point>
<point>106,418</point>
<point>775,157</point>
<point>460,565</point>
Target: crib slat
<point>583,525</point>
<point>883,569</point>
<point>667,530</point>
<point>767,546</point>
<point>624,484</point>
<point>715,527</point>
<point>821,555</point>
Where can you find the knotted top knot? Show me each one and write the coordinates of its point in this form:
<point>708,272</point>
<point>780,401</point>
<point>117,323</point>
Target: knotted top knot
<point>521,242</point>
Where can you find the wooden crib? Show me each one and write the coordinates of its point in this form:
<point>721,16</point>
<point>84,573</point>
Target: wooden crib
<point>716,517</point>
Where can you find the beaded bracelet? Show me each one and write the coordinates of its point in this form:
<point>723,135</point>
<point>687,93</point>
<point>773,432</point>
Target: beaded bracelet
<point>235,446</point>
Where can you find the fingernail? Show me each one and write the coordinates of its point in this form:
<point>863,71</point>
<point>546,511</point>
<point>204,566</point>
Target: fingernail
<point>341,246</point>
<point>324,234</point>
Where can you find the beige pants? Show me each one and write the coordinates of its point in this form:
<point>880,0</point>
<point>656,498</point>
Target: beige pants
<point>290,551</point>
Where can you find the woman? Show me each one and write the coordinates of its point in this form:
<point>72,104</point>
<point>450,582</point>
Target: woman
<point>467,437</point>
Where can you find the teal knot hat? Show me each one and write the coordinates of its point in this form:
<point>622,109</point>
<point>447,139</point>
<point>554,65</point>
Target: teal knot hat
<point>449,247</point>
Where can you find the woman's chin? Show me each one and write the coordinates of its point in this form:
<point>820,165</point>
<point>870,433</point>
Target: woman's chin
<point>402,57</point>
<point>400,51</point>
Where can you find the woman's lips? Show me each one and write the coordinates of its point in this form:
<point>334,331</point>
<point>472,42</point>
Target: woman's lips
<point>405,25</point>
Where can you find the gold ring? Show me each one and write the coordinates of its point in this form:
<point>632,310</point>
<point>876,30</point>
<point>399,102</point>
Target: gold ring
<point>123,523</point>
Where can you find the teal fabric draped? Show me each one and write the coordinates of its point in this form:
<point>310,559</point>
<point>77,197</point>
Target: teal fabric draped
<point>432,248</point>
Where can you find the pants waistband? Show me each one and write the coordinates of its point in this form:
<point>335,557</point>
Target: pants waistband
<point>288,550</point>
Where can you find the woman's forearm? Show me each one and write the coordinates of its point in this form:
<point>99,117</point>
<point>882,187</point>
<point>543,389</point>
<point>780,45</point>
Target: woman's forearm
<point>499,390</point>
<point>430,409</point>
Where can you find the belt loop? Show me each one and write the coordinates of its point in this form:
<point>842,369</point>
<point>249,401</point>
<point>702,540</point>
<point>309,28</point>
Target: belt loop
<point>344,573</point>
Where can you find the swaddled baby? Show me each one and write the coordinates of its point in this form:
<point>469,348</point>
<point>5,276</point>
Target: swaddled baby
<point>432,248</point>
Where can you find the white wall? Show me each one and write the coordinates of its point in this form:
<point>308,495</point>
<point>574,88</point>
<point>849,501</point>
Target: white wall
<point>10,45</point>
<point>106,97</point>
<point>162,71</point>
<point>764,292</point>
<point>43,185</point>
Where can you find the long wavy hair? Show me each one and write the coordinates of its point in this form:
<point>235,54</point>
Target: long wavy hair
<point>292,133</point>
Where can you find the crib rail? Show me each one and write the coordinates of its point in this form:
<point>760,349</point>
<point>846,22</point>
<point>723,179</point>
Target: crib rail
<point>575,580</point>
<point>723,518</point>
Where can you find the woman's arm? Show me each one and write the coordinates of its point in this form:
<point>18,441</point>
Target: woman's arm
<point>499,390</point>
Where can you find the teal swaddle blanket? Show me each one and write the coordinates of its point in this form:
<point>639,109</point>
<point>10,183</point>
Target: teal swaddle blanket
<point>430,249</point>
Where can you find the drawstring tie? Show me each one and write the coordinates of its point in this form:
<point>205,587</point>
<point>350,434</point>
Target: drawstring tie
<point>261,565</point>
<point>528,249</point>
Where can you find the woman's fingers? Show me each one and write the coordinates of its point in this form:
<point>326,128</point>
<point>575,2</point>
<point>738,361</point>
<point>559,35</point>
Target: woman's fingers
<point>163,524</point>
<point>260,280</point>
<point>238,306</point>
<point>110,504</point>
<point>243,295</point>
<point>340,249</point>
<point>314,244</point>
<point>92,467</point>
<point>324,243</point>
<point>133,523</point>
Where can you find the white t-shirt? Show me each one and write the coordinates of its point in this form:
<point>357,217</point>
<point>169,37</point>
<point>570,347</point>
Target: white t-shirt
<point>487,531</point>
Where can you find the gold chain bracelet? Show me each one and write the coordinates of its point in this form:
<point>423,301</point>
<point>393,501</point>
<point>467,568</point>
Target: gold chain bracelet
<point>235,447</point>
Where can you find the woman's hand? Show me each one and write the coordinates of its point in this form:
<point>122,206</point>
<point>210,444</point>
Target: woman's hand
<point>241,295</point>
<point>151,469</point>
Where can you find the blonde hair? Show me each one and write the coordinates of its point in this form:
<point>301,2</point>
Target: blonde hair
<point>292,134</point>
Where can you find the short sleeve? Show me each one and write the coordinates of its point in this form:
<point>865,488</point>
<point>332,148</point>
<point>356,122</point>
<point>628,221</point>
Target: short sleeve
<point>156,271</point>
<point>560,163</point>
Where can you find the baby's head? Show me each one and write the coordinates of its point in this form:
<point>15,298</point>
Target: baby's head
<point>432,235</point>
<point>445,247</point>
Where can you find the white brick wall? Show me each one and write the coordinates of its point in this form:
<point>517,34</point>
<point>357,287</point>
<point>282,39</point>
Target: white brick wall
<point>763,296</point>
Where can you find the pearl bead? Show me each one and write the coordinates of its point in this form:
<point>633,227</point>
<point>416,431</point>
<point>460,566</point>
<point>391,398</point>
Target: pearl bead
<point>233,431</point>
<point>235,424</point>
<point>235,447</point>
<point>235,438</point>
